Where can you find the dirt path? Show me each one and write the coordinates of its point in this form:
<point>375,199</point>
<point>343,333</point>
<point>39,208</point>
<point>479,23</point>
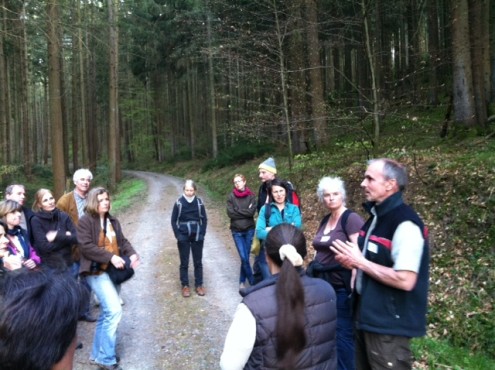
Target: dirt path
<point>160,329</point>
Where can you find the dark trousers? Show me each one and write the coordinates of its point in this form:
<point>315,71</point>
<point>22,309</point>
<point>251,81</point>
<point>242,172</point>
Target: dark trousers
<point>381,352</point>
<point>345,332</point>
<point>185,248</point>
<point>74,268</point>
<point>260,266</point>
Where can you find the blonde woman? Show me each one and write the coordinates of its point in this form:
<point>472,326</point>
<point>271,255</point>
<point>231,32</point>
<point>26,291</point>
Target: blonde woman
<point>54,234</point>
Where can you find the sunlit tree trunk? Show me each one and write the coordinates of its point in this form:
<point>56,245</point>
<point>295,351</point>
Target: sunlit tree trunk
<point>54,72</point>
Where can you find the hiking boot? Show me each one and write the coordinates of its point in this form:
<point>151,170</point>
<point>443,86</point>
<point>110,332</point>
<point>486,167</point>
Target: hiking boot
<point>186,292</point>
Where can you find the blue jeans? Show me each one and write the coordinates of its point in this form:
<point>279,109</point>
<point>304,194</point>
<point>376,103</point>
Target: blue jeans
<point>196,247</point>
<point>243,240</point>
<point>345,332</point>
<point>260,266</point>
<point>105,339</point>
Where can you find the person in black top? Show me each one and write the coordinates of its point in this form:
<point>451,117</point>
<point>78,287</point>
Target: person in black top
<point>189,223</point>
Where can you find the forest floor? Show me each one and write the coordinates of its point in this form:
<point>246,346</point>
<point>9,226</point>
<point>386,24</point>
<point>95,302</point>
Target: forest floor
<point>160,329</point>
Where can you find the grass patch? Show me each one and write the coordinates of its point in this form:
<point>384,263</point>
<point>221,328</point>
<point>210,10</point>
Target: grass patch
<point>128,191</point>
<point>439,354</point>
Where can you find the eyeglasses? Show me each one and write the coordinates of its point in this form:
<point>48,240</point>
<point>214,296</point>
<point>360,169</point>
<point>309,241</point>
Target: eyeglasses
<point>238,181</point>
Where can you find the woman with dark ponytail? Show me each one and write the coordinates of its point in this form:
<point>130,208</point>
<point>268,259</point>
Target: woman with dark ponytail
<point>287,321</point>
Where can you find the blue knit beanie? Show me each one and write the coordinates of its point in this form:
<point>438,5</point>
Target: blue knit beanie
<point>269,165</point>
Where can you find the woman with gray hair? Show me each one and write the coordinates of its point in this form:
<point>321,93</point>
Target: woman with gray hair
<point>340,224</point>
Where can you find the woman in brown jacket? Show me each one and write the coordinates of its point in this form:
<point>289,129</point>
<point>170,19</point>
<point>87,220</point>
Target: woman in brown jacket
<point>102,243</point>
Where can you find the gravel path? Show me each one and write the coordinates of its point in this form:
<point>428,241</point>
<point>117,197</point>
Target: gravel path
<point>160,329</point>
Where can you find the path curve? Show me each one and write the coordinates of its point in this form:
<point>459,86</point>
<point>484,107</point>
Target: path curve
<point>160,329</point>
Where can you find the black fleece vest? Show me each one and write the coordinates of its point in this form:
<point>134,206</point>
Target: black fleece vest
<point>383,309</point>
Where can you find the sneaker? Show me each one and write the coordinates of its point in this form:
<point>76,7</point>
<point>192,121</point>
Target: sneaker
<point>186,292</point>
<point>200,290</point>
<point>93,361</point>
<point>108,367</point>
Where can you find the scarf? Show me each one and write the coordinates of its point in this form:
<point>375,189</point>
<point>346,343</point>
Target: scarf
<point>16,231</point>
<point>242,194</point>
<point>189,199</point>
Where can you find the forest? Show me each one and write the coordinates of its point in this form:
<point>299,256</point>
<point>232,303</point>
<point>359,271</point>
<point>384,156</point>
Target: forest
<point>85,81</point>
<point>121,84</point>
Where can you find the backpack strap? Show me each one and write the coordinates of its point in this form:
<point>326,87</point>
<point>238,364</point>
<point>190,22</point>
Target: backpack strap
<point>179,207</point>
<point>343,221</point>
<point>292,196</point>
<point>200,204</point>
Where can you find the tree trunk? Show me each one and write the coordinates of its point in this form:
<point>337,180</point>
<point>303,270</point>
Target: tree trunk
<point>464,108</point>
<point>433,51</point>
<point>283,83</point>
<point>318,111</point>
<point>113,103</point>
<point>4,106</point>
<point>54,72</point>
<point>492,51</point>
<point>296,80</point>
<point>477,29</point>
<point>374,88</point>
<point>24,94</point>
<point>211,84</point>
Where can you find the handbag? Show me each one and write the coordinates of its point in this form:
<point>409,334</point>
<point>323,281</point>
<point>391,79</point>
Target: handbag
<point>255,246</point>
<point>118,276</point>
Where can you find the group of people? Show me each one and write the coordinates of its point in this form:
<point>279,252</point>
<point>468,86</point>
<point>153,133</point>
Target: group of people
<point>74,239</point>
<point>356,305</point>
<point>361,299</point>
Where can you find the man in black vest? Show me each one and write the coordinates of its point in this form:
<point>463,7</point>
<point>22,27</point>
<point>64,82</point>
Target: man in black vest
<point>392,262</point>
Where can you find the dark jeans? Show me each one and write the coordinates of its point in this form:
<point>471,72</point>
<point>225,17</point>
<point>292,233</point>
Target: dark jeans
<point>74,268</point>
<point>345,332</point>
<point>243,240</point>
<point>260,266</point>
<point>196,247</point>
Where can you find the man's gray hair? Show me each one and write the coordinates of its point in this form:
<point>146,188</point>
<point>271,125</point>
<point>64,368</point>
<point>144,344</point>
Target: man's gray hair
<point>82,173</point>
<point>10,189</point>
<point>393,170</point>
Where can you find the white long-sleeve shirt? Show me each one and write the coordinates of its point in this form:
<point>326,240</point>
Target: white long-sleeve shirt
<point>240,339</point>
